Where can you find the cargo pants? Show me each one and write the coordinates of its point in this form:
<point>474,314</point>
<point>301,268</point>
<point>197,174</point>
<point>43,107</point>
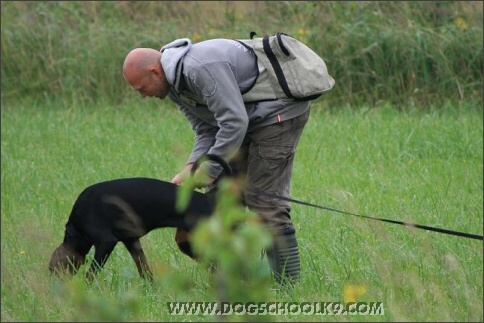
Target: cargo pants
<point>265,160</point>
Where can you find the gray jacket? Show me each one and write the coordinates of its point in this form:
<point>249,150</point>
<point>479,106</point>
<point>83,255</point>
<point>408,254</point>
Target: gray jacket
<point>208,80</point>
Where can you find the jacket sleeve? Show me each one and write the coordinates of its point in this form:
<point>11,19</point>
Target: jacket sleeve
<point>216,84</point>
<point>204,135</point>
<point>223,98</point>
<point>204,132</point>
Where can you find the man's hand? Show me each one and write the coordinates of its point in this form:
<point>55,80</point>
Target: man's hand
<point>200,178</point>
<point>183,175</point>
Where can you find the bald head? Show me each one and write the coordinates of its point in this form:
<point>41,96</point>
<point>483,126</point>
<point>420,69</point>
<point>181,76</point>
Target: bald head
<point>141,59</point>
<point>143,71</point>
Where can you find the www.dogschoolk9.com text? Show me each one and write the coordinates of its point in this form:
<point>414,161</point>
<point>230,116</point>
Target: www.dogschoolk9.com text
<point>276,308</point>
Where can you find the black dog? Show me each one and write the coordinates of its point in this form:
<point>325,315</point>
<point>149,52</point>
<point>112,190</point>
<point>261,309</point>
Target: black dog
<point>125,210</point>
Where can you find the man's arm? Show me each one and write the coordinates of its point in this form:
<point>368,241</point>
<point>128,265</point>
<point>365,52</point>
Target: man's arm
<point>223,98</point>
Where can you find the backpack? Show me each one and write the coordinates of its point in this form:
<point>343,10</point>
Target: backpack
<point>288,70</point>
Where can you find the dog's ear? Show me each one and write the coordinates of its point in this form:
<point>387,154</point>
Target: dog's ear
<point>65,261</point>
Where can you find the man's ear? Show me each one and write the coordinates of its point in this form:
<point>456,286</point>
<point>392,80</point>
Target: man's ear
<point>156,71</point>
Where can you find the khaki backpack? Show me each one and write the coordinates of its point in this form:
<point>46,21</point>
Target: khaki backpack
<point>288,70</point>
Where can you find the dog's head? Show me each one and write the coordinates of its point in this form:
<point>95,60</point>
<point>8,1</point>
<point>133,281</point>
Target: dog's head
<point>65,261</point>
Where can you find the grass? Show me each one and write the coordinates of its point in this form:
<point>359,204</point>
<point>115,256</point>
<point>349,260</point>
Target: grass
<point>417,166</point>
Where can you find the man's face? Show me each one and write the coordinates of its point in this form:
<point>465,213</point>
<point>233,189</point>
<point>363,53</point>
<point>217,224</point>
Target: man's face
<point>151,84</point>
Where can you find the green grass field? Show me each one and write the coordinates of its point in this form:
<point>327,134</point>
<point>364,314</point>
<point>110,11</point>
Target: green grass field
<point>420,166</point>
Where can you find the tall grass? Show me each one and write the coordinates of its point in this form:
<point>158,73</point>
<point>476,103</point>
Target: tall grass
<point>421,167</point>
<point>405,53</point>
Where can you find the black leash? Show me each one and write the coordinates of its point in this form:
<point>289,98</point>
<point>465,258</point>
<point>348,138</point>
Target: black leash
<point>228,170</point>
<point>408,224</point>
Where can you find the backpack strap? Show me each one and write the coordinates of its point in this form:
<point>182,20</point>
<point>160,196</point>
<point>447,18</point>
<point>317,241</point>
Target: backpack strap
<point>276,66</point>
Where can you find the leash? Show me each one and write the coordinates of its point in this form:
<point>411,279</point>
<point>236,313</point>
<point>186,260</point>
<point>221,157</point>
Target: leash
<point>228,170</point>
<point>408,224</point>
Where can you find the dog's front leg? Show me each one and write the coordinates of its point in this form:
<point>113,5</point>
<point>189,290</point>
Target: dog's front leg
<point>136,250</point>
<point>102,252</point>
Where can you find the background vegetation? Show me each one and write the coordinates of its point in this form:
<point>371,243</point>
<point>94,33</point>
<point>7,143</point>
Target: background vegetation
<point>400,137</point>
<point>411,53</point>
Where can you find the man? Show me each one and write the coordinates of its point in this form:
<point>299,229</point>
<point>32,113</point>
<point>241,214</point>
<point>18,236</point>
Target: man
<point>207,82</point>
